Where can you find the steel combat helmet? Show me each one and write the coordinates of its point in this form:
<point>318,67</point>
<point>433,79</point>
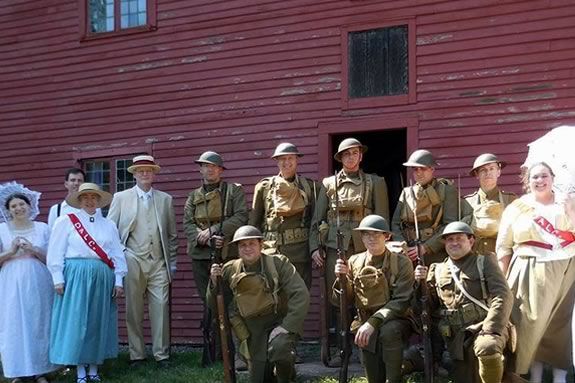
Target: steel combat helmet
<point>348,143</point>
<point>421,158</point>
<point>210,157</point>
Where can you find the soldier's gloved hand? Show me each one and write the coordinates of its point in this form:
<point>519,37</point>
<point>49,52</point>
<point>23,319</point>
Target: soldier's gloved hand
<point>203,237</point>
<point>318,260</point>
<point>420,272</point>
<point>218,241</point>
<point>363,334</point>
<point>340,267</point>
<point>215,272</point>
<point>276,331</point>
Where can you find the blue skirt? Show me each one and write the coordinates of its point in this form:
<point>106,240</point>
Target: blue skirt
<point>85,319</point>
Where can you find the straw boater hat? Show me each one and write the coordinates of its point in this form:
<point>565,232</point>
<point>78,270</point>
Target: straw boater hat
<point>88,187</point>
<point>143,161</point>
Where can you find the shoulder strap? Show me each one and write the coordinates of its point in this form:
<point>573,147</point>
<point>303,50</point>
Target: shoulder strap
<point>272,272</point>
<point>481,271</point>
<point>393,268</point>
<point>460,286</point>
<point>58,209</point>
<point>227,192</point>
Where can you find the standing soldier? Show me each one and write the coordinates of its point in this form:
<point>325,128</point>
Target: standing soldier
<point>359,194</point>
<point>482,209</point>
<point>146,221</point>
<point>270,303</point>
<point>214,206</point>
<point>437,205</point>
<point>282,209</point>
<point>381,284</point>
<point>474,303</point>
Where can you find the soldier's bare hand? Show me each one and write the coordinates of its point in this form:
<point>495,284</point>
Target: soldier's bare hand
<point>215,272</point>
<point>363,334</point>
<point>412,253</point>
<point>340,267</point>
<point>276,331</point>
<point>318,260</point>
<point>203,237</point>
<point>420,272</point>
<point>218,241</point>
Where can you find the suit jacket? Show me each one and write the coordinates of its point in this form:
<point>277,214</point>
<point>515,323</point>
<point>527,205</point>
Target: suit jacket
<point>123,212</point>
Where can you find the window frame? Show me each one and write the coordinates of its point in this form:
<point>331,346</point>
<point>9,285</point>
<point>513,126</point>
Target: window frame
<point>86,34</point>
<point>113,186</point>
<point>378,101</point>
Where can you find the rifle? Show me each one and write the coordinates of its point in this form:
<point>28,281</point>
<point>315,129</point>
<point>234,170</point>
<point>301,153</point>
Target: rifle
<point>223,323</point>
<point>425,303</point>
<point>209,341</point>
<point>324,304</point>
<point>344,351</point>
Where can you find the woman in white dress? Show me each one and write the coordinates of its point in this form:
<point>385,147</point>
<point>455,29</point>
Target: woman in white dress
<point>87,263</point>
<point>25,292</point>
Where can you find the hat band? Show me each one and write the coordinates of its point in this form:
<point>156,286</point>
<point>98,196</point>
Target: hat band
<point>144,162</point>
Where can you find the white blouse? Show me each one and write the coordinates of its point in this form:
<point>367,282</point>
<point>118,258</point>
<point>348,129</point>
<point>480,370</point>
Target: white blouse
<point>65,242</point>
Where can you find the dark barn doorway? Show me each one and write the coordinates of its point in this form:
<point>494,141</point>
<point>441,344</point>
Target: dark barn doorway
<point>387,151</point>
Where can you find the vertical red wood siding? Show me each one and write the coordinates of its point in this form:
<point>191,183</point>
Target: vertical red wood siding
<point>240,76</point>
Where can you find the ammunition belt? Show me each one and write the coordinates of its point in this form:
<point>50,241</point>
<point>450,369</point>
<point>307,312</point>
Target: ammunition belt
<point>355,215</point>
<point>287,236</point>
<point>463,316</point>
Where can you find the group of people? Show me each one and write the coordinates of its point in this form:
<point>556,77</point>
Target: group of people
<point>498,269</point>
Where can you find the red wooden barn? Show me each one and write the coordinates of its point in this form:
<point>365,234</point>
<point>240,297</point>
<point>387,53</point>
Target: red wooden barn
<point>95,82</point>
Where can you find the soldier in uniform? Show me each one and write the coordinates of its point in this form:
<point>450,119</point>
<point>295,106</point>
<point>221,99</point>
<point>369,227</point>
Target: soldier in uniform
<point>269,305</point>
<point>437,205</point>
<point>381,284</point>
<point>282,209</point>
<point>360,194</point>
<point>474,303</point>
<point>482,209</point>
<point>213,206</point>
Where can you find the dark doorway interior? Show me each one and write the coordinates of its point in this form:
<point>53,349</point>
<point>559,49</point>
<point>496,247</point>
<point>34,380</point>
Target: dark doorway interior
<point>387,151</point>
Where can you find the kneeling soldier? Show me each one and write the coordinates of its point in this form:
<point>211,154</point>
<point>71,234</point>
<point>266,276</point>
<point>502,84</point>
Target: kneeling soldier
<point>381,285</point>
<point>270,303</point>
<point>474,304</point>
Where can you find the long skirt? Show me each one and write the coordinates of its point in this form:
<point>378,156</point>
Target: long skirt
<point>26,293</point>
<point>544,297</point>
<point>85,317</point>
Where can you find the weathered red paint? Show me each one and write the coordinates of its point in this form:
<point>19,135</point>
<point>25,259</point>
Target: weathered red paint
<point>241,76</point>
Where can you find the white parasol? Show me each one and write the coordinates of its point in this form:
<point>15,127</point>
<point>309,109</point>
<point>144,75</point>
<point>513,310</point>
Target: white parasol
<point>557,149</point>
<point>9,188</point>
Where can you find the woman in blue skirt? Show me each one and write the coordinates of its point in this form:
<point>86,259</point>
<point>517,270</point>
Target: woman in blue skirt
<point>86,260</point>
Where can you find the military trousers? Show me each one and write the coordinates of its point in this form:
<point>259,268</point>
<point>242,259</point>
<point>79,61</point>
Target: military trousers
<point>280,358</point>
<point>383,356</point>
<point>147,277</point>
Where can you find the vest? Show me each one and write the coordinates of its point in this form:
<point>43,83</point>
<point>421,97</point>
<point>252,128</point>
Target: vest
<point>145,238</point>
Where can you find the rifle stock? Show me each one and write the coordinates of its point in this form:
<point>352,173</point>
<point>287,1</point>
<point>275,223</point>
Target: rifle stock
<point>345,351</point>
<point>425,303</point>
<point>323,309</point>
<point>209,342</point>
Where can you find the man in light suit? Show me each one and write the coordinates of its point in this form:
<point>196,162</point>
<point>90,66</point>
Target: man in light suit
<point>147,225</point>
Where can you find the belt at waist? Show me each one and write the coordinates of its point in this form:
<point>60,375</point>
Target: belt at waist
<point>355,215</point>
<point>542,245</point>
<point>287,236</point>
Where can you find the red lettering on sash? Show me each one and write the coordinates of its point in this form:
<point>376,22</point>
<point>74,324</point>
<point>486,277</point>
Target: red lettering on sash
<point>90,241</point>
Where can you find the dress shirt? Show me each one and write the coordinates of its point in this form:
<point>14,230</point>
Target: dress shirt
<point>65,242</point>
<point>64,209</point>
<point>145,196</point>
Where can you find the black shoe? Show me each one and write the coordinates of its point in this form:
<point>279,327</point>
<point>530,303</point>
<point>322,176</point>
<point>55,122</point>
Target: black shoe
<point>164,363</point>
<point>137,362</point>
<point>240,365</point>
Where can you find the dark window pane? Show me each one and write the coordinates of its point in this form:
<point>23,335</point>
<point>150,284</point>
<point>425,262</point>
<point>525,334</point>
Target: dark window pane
<point>98,172</point>
<point>100,13</point>
<point>378,62</point>
<point>124,179</point>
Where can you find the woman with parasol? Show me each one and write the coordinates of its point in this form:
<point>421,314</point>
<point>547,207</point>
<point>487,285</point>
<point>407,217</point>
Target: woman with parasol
<point>25,286</point>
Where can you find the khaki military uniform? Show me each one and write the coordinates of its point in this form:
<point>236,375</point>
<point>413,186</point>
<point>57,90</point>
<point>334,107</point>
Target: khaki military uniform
<point>437,205</point>
<point>470,332</point>
<point>282,209</point>
<point>482,211</point>
<point>360,194</point>
<point>381,288</point>
<point>203,208</point>
<point>265,295</point>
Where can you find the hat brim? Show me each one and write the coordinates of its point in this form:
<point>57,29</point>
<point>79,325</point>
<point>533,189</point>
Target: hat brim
<point>247,237</point>
<point>209,162</point>
<point>409,164</point>
<point>337,156</point>
<point>286,154</point>
<point>371,229</point>
<point>133,168</point>
<point>105,198</point>
<point>502,164</point>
